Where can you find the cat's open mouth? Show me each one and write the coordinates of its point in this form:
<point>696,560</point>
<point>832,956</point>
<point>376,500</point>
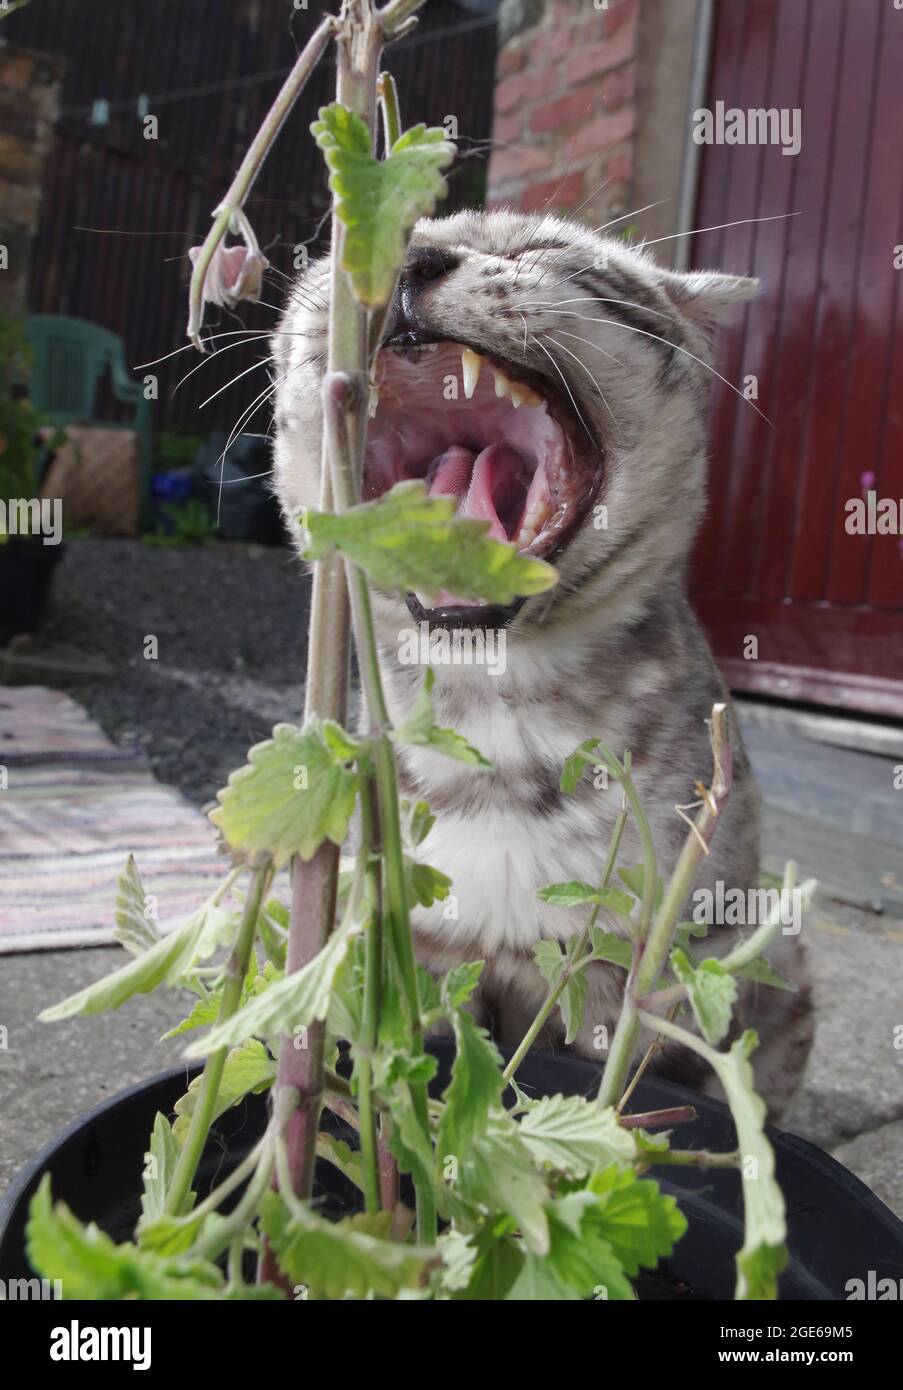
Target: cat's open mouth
<point>502,439</point>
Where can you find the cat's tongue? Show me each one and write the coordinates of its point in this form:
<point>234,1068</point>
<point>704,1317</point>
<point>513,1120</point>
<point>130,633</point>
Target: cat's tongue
<point>490,486</point>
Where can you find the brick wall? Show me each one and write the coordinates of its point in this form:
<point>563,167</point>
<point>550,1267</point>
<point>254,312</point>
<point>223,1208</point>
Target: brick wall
<point>29,102</point>
<point>564,107</point>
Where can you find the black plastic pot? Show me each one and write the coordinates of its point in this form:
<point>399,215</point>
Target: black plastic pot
<point>838,1230</point>
<point>26,569</point>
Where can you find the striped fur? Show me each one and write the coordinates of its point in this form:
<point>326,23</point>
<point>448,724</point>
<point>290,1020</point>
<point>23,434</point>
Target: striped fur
<point>613,651</point>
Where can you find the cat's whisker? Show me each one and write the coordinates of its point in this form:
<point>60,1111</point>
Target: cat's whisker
<point>246,415</point>
<point>722,226</point>
<point>249,334</point>
<point>550,305</point>
<point>677,348</point>
<point>190,347</point>
<point>219,391</point>
<point>566,387</point>
<point>550,339</point>
<point>249,478</point>
<point>604,228</point>
<point>211,356</point>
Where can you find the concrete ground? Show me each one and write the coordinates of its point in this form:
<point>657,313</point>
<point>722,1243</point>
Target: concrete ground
<point>833,809</point>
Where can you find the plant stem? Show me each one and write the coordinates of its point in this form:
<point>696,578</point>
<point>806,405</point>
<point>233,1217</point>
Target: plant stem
<point>388,105</point>
<point>250,167</point>
<point>342,403</point>
<point>205,1107</point>
<point>372,982</point>
<point>652,952</point>
<point>557,989</point>
<point>657,1119</point>
<point>654,1046</point>
<point>693,1158</point>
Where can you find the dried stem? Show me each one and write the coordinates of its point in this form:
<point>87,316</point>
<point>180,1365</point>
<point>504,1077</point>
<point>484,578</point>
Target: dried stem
<point>650,955</point>
<point>250,167</point>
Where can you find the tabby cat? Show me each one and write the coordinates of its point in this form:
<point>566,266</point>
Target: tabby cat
<point>556,382</point>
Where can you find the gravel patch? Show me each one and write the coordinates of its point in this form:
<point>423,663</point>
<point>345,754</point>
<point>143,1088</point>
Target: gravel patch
<point>230,623</point>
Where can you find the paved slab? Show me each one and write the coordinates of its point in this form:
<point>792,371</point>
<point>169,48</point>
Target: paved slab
<point>876,1159</point>
<point>854,1082</point>
<point>52,1072</point>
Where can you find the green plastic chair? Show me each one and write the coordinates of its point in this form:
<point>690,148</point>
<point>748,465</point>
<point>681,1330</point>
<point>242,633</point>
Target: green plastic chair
<point>71,355</point>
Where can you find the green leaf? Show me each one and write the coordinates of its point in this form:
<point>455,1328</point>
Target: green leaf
<point>418,729</point>
<point>341,1259</point>
<point>341,1155</point>
<point>496,1261</point>
<point>499,1172</point>
<point>160,1162</point>
<point>685,932</point>
<point>406,540</point>
<point>379,200</point>
<point>248,1070</point>
<point>295,1002</point>
<point>205,1011</point>
<point>572,1001</point>
<point>92,1267</point>
<point>293,793</point>
<point>764,973</point>
<point>635,878</point>
<point>580,1257</point>
<point>417,820</point>
<point>170,1235</point>
<point>576,764</point>
<point>408,1143</point>
<point>134,929</point>
<point>475,1086</point>
<point>712,992</point>
<point>570,894</point>
<point>640,1223</point>
<point>426,885</point>
<point>607,945</point>
<point>538,1282</point>
<point>575,1135</point>
<point>764,1253</point>
<point>460,983</point>
<point>166,962</point>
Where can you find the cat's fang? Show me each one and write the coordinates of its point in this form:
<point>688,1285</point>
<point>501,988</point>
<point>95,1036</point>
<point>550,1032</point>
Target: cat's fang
<point>471,362</point>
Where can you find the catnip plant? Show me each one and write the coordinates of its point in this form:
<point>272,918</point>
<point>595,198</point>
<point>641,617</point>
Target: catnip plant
<point>477,1190</point>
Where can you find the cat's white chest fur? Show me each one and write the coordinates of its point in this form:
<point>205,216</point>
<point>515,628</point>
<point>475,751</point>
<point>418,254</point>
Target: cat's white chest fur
<point>497,844</point>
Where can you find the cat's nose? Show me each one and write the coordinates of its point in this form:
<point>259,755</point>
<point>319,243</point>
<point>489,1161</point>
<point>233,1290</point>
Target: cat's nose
<point>428,263</point>
<point>406,320</point>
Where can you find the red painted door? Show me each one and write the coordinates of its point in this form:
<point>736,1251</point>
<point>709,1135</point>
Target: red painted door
<point>823,343</point>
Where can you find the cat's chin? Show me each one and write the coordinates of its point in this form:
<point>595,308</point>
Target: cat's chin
<point>502,439</point>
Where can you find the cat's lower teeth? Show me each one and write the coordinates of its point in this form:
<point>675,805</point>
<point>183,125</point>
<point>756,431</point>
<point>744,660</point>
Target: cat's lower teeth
<point>531,526</point>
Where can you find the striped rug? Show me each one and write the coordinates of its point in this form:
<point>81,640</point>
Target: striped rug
<point>72,807</point>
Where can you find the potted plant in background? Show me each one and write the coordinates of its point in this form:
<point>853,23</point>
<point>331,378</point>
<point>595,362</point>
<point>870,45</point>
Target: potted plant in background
<point>362,1159</point>
<point>29,552</point>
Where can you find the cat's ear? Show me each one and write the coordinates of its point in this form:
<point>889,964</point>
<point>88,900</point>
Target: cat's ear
<point>708,296</point>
